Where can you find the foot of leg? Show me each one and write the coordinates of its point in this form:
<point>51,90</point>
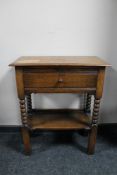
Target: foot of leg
<point>26,140</point>
<point>92,140</point>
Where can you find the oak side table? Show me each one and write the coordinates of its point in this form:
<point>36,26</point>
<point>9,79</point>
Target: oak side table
<point>59,74</point>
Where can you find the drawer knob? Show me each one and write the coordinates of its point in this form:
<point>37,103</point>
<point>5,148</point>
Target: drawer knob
<point>60,80</point>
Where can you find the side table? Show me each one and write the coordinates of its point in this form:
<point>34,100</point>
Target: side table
<point>62,74</point>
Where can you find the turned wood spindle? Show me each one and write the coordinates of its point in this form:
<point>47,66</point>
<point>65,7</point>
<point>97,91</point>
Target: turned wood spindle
<point>95,112</point>
<point>23,113</point>
<point>93,130</point>
<point>88,103</point>
<point>29,103</point>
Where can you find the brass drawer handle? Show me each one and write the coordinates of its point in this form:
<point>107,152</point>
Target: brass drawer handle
<point>60,80</point>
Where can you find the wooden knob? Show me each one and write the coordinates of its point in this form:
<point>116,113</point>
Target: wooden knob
<point>60,80</point>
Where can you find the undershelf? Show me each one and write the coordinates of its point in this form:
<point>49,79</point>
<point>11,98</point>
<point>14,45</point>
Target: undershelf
<point>58,119</point>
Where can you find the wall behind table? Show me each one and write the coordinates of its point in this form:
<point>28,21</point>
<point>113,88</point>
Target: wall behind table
<point>56,27</point>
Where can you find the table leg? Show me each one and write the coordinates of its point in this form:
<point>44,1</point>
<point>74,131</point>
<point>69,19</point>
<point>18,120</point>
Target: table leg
<point>24,130</point>
<point>88,103</point>
<point>26,140</point>
<point>87,109</point>
<point>29,104</point>
<point>93,131</point>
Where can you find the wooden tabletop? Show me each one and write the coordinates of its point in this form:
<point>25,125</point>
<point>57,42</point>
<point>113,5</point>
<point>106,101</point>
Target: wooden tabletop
<point>59,61</point>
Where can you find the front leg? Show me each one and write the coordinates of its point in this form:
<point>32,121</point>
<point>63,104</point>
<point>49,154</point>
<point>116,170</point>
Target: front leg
<point>93,130</point>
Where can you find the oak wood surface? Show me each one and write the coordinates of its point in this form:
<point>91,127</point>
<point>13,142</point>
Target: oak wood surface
<point>60,79</point>
<point>60,90</point>
<point>59,119</point>
<point>93,129</point>
<point>59,61</point>
<point>19,82</point>
<point>92,140</point>
<point>26,140</point>
<point>100,83</point>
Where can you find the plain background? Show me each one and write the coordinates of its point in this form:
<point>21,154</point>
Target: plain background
<point>57,27</point>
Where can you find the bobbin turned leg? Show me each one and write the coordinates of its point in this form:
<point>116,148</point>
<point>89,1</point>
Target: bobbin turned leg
<point>88,104</point>
<point>87,109</point>
<point>24,118</point>
<point>93,131</point>
<point>24,129</point>
<point>29,104</point>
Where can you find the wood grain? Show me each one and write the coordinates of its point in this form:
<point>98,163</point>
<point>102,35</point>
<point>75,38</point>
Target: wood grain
<point>92,140</point>
<point>94,124</point>
<point>60,90</point>
<point>19,82</point>
<point>100,83</point>
<point>59,61</point>
<point>26,140</point>
<point>59,119</point>
<point>64,79</point>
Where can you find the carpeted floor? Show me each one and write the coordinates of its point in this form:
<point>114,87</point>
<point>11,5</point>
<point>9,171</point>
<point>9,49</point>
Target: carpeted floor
<point>59,153</point>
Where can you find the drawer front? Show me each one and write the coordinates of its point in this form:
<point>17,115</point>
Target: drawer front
<point>44,79</point>
<point>82,79</point>
<point>62,79</point>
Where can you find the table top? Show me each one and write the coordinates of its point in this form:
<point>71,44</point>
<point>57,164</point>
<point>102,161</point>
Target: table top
<point>60,61</point>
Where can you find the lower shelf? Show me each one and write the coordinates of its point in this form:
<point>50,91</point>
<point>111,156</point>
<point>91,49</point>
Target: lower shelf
<point>59,119</point>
